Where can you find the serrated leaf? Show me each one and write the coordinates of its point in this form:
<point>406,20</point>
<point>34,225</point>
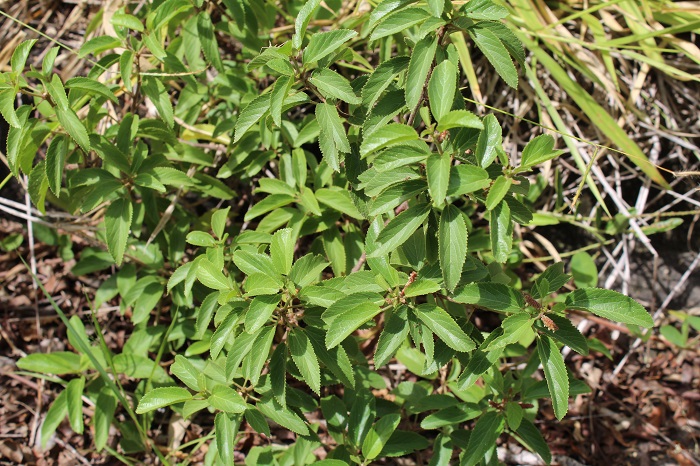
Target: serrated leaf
<point>379,435</point>
<point>302,21</point>
<point>418,69</point>
<point>306,270</point>
<point>445,327</point>
<point>438,173</point>
<point>555,277</point>
<point>566,333</point>
<point>20,55</point>
<point>555,374</point>
<point>539,150</point>
<point>184,370</point>
<point>483,438</point>
<point>343,324</point>
<point>494,296</point>
<point>305,359</point>
<point>75,128</point>
<point>609,305</point>
<point>339,200</point>
<point>466,178</point>
<point>399,229</point>
<point>91,87</point>
<point>55,161</point>
<point>211,276</point>
<point>458,119</point>
<point>117,223</point>
<point>442,87</point>
<point>251,263</point>
<point>496,53</point>
<point>210,47</point>
<point>250,115</point>
<point>226,428</point>
<point>452,246</point>
<point>399,21</point>
<point>514,328</point>
<point>332,84</point>
<point>158,95</point>
<point>501,232</point>
<point>498,191</point>
<point>260,310</point>
<point>392,336</point>
<point>283,416</point>
<point>162,397</point>
<point>381,78</point>
<point>226,399</point>
<point>282,250</point>
<point>490,138</point>
<point>323,44</point>
<point>386,136</point>
<point>268,204</point>
<point>7,107</point>
<point>531,437</point>
<point>278,373</point>
<point>277,96</point>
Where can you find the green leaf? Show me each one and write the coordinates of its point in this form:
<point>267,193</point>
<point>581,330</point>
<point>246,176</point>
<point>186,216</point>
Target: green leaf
<point>211,276</point>
<point>418,69</point>
<point>302,21</point>
<point>218,221</point>
<point>438,174</point>
<point>566,333</point>
<point>242,345</point>
<point>226,399</point>
<point>91,87</point>
<point>260,310</point>
<point>452,415</point>
<point>277,96</point>
<point>184,370</point>
<point>200,238</point>
<point>381,78</point>
<point>162,397</point>
<point>54,416</point>
<point>72,124</point>
<point>484,9</point>
<point>490,138</point>
<point>250,263</point>
<point>459,119</point>
<point>117,223</point>
<point>452,246</point>
<point>156,92</point>
<point>341,325</point>
<point>97,45</point>
<point>257,357</point>
<point>331,84</point>
<point>501,232</point>
<point>385,136</point>
<point>483,438</point>
<point>278,373</point>
<point>124,20</point>
<point>257,421</point>
<point>445,327</point>
<point>74,394</point>
<point>379,435</point>
<point>270,203</point>
<point>306,270</point>
<point>498,191</point>
<point>126,66</point>
<point>466,178</point>
<point>392,336</point>
<point>335,250</point>
<point>7,107</point>
<point>584,270</point>
<point>531,437</point>
<point>105,407</point>
<point>403,442</point>
<point>340,200</point>
<point>282,250</point>
<point>436,7</point>
<point>251,115</point>
<point>496,53</point>
<point>399,229</point>
<point>555,373</point>
<point>282,416</point>
<point>515,327</point>
<point>539,150</point>
<point>332,130</point>
<point>399,21</point>
<point>305,359</point>
<point>210,47</point>
<point>226,428</point>
<point>494,296</point>
<point>20,55</point>
<point>610,305</point>
<point>442,87</point>
<point>323,44</point>
<point>38,185</point>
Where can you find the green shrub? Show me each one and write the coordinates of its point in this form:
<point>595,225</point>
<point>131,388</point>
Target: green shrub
<point>368,214</point>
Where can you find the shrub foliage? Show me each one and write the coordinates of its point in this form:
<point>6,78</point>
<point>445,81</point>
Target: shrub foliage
<point>294,197</point>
